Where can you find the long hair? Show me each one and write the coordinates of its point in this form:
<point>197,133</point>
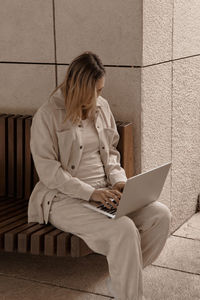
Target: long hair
<point>79,86</point>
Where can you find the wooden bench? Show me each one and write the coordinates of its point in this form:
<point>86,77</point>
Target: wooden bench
<point>18,177</point>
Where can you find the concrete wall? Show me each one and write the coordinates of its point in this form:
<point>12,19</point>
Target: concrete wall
<point>151,53</point>
<point>170,101</point>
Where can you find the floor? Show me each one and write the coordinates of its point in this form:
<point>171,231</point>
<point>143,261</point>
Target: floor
<point>175,275</point>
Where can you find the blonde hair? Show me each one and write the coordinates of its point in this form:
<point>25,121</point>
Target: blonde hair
<point>79,86</point>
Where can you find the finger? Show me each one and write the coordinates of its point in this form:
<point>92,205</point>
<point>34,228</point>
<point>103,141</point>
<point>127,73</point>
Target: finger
<point>118,193</point>
<point>105,200</point>
<point>111,203</point>
<point>115,198</point>
<point>115,194</point>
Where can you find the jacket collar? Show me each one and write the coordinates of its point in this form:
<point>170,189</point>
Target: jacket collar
<point>57,99</point>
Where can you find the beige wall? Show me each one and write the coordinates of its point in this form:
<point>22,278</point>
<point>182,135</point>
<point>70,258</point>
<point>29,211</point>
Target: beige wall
<point>170,101</point>
<point>151,53</point>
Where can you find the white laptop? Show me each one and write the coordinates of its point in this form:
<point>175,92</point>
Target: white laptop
<point>139,191</point>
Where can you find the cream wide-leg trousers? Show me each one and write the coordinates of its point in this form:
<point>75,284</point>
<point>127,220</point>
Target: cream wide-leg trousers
<point>130,243</point>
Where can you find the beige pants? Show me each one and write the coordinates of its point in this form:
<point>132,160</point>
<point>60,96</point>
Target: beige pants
<point>130,243</point>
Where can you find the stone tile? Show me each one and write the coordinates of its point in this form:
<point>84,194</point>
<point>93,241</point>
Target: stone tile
<point>191,228</point>
<point>20,289</point>
<point>156,121</point>
<point>88,274</point>
<point>124,99</point>
<point>24,87</point>
<point>26,31</point>
<point>185,139</point>
<point>157,31</point>
<point>180,254</point>
<point>112,29</point>
<point>186,38</point>
<point>165,284</point>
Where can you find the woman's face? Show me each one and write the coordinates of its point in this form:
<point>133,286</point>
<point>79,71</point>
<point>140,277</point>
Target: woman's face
<point>100,85</point>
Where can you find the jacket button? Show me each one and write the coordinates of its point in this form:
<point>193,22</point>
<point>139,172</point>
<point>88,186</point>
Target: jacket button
<point>81,147</point>
<point>79,125</point>
<point>48,202</point>
<point>103,147</point>
<point>73,167</point>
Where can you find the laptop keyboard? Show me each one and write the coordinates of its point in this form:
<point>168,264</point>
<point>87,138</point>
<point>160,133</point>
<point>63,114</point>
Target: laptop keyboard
<point>109,210</point>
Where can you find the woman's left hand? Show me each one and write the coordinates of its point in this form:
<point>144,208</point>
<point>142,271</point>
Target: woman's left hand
<point>119,186</point>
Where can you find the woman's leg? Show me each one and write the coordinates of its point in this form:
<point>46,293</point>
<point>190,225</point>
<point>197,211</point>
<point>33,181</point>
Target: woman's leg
<point>153,222</point>
<point>119,240</point>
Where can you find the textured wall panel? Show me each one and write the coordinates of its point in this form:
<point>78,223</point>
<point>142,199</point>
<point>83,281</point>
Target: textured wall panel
<point>186,37</point>
<point>23,88</point>
<point>157,31</point>
<point>185,139</point>
<point>111,28</point>
<point>26,30</point>
<point>156,121</point>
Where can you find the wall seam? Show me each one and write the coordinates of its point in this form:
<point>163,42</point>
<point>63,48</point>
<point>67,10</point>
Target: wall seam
<point>111,66</point>
<point>172,86</point>
<point>54,36</point>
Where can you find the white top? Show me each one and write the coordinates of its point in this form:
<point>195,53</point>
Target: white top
<point>91,169</point>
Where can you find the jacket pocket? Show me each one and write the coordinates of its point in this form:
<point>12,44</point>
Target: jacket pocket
<point>65,141</point>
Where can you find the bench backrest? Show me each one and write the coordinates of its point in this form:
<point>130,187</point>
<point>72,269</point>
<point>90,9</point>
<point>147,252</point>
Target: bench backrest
<point>18,175</point>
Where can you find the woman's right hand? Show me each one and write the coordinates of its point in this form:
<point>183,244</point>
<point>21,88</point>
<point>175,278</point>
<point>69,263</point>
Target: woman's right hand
<point>104,195</point>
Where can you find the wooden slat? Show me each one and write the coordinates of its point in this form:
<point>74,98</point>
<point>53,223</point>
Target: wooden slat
<point>13,214</point>
<point>24,237</point>
<point>12,154</point>
<point>79,247</point>
<point>125,147</point>
<point>50,242</point>
<point>16,208</point>
<point>20,156</point>
<point>2,156</point>
<point>4,200</point>
<point>5,229</point>
<point>19,216</point>
<point>3,153</point>
<point>10,237</point>
<point>7,204</point>
<point>37,239</point>
<point>63,244</point>
<point>28,164</point>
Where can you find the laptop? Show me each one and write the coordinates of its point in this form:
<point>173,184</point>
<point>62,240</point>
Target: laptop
<point>139,191</point>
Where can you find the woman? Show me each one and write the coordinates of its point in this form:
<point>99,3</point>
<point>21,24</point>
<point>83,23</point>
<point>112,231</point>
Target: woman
<point>73,144</point>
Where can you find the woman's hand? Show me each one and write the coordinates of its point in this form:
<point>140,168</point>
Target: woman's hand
<point>104,195</point>
<point>119,186</point>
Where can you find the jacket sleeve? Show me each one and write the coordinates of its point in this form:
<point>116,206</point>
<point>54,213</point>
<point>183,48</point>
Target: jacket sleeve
<point>115,173</point>
<point>45,158</point>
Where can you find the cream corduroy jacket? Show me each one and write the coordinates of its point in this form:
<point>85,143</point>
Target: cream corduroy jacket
<point>57,149</point>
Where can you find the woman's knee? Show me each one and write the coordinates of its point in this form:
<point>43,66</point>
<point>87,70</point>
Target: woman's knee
<point>126,226</point>
<point>164,214</point>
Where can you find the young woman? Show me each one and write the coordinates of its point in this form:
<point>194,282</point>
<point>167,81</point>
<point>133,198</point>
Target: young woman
<point>73,144</point>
